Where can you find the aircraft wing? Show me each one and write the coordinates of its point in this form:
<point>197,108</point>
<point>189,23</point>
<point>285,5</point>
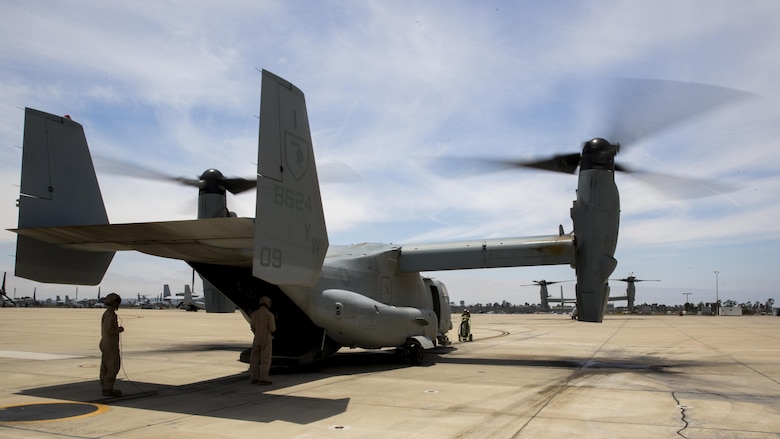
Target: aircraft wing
<point>225,241</point>
<point>230,241</point>
<point>488,253</point>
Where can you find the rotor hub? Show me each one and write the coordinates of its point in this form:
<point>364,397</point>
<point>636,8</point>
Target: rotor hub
<point>211,182</point>
<point>598,153</point>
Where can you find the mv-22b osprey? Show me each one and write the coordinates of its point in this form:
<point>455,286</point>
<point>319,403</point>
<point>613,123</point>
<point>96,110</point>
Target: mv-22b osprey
<point>325,296</point>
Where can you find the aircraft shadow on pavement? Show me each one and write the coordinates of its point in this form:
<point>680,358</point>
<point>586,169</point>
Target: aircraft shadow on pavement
<point>232,396</point>
<point>229,397</point>
<point>586,365</point>
<point>348,362</point>
<point>201,347</point>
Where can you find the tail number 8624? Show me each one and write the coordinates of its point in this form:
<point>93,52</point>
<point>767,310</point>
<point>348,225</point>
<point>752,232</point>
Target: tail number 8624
<point>291,199</point>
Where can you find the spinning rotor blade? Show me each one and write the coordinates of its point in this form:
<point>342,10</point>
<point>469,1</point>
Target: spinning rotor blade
<point>634,110</point>
<point>332,172</point>
<point>234,185</point>
<point>566,163</point>
<point>128,169</point>
<point>636,280</point>
<point>544,282</point>
<point>638,108</point>
<point>455,166</point>
<point>676,186</point>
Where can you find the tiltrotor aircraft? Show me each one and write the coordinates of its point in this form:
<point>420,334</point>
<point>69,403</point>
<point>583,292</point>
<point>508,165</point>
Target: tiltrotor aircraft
<point>325,296</point>
<point>630,281</point>
<point>545,296</point>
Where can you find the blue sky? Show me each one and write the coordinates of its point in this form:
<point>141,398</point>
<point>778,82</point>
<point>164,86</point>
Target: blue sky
<point>390,85</point>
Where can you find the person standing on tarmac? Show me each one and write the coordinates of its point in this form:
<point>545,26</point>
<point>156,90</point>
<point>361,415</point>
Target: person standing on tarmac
<point>262,323</point>
<point>109,346</point>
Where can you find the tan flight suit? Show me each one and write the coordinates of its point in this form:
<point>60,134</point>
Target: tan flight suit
<point>109,347</point>
<point>263,324</point>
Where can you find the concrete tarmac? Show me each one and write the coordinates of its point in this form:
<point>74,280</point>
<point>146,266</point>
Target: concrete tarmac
<point>523,376</point>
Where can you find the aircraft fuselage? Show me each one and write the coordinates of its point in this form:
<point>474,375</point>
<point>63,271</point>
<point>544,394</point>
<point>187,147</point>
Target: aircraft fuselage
<point>361,300</point>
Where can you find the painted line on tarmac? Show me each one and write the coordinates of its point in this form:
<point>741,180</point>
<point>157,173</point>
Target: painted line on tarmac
<point>50,411</point>
<point>36,355</point>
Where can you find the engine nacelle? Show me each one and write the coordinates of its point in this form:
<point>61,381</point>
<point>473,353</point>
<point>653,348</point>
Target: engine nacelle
<point>596,214</point>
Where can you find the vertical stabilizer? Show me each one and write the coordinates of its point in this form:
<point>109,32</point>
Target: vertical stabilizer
<point>58,188</point>
<point>290,235</point>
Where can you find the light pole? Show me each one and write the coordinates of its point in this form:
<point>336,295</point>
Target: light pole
<point>686,296</point>
<point>717,302</point>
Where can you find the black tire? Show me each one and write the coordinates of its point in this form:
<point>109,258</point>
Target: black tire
<point>416,354</point>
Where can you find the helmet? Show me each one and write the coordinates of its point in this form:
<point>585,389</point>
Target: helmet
<point>265,300</point>
<point>466,312</point>
<point>113,299</point>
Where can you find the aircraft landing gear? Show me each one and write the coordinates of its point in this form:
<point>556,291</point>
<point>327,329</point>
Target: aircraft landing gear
<point>412,351</point>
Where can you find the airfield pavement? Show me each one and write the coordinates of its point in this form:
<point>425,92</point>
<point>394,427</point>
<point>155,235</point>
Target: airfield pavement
<point>523,376</point>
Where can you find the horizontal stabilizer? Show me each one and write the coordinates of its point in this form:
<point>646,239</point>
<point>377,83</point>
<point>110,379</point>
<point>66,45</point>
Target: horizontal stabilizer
<point>222,241</point>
